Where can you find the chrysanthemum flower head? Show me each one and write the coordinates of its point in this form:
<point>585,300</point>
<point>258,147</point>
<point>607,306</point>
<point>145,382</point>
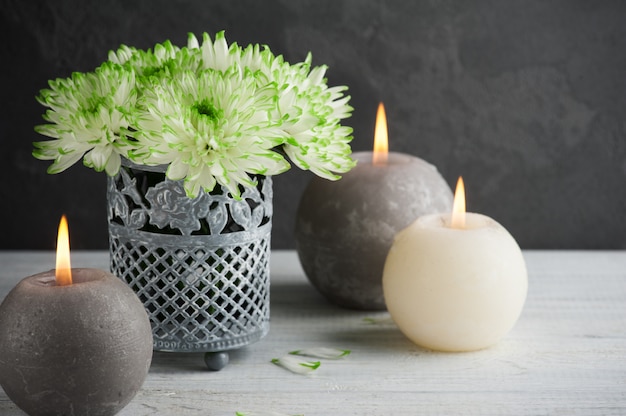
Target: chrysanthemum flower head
<point>89,118</point>
<point>214,113</point>
<point>211,127</point>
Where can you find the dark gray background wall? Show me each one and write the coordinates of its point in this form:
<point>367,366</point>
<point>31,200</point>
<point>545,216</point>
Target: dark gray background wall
<point>525,99</point>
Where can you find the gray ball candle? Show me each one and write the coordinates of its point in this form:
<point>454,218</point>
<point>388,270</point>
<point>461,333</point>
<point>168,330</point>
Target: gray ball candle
<point>344,229</point>
<point>73,341</point>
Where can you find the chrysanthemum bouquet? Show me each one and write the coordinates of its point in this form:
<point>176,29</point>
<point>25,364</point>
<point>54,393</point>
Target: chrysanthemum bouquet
<point>213,113</point>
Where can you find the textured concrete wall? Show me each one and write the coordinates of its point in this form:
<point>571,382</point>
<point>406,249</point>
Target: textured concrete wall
<point>525,99</point>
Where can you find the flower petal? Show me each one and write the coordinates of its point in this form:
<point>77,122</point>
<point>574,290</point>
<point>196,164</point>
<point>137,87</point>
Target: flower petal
<point>296,365</point>
<point>322,352</point>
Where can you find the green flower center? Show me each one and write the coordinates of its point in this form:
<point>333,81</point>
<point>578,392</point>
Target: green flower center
<point>206,118</point>
<point>93,104</point>
<point>206,109</point>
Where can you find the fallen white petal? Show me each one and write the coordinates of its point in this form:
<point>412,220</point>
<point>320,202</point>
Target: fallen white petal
<point>296,365</point>
<point>322,352</point>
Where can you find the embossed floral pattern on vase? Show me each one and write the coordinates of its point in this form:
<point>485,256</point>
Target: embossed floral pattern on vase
<point>167,207</point>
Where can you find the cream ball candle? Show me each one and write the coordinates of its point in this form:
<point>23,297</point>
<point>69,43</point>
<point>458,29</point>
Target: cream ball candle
<point>344,229</point>
<point>455,282</point>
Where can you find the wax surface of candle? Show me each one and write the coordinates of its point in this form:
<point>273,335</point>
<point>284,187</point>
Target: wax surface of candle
<point>455,289</point>
<point>344,229</point>
<point>82,349</point>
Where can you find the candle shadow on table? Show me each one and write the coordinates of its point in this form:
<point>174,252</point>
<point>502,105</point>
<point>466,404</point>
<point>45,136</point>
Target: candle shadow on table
<point>295,294</point>
<point>374,331</point>
<point>304,302</point>
<point>374,339</point>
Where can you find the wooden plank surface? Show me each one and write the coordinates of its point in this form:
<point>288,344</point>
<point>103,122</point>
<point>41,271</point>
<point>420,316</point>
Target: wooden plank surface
<point>566,356</point>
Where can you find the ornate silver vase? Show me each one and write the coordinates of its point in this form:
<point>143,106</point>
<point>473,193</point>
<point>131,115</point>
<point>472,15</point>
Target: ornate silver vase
<point>200,266</point>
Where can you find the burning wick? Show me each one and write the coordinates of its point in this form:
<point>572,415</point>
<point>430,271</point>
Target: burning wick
<point>458,209</point>
<point>381,146</point>
<point>63,268</point>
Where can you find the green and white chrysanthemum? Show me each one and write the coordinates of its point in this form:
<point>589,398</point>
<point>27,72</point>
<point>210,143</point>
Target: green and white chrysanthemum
<point>215,113</point>
<point>310,112</point>
<point>164,60</point>
<point>210,127</point>
<point>317,140</point>
<point>89,119</point>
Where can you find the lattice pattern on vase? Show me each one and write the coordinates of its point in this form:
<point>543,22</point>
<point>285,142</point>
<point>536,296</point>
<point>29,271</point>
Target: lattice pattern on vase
<point>200,266</point>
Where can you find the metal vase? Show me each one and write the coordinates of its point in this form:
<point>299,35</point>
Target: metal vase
<point>200,266</point>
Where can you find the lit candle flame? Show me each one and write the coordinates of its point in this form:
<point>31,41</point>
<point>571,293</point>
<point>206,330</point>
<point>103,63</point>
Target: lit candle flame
<point>381,146</point>
<point>63,268</point>
<point>458,209</point>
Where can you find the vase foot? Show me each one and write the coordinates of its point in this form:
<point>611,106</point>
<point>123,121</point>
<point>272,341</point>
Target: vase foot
<point>215,361</point>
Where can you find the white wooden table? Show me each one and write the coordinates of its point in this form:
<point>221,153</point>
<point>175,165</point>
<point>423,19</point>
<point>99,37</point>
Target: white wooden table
<point>566,356</point>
